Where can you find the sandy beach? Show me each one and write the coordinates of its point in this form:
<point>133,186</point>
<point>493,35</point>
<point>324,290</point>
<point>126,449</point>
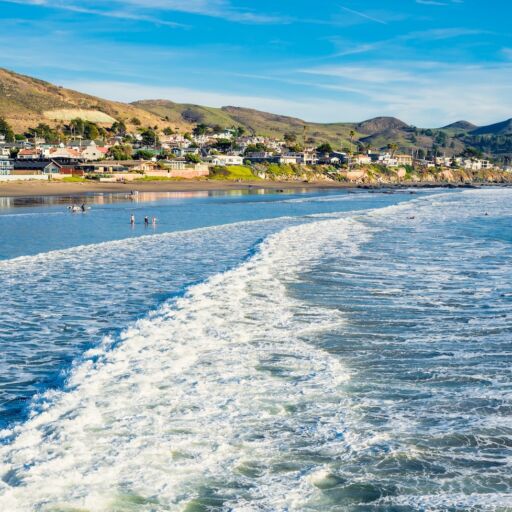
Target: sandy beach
<point>55,188</point>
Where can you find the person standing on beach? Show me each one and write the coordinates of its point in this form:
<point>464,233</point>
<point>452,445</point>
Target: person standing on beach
<point>132,219</point>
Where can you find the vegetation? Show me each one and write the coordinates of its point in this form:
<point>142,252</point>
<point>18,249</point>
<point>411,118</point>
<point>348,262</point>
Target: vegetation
<point>192,158</point>
<point>6,130</point>
<point>120,152</point>
<point>324,148</point>
<point>144,154</point>
<point>232,172</point>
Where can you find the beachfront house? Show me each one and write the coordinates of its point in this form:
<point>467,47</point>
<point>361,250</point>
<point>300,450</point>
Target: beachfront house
<point>36,167</point>
<point>6,166</point>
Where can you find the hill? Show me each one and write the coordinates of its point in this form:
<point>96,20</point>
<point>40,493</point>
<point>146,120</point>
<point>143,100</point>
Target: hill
<point>381,125</point>
<point>460,125</point>
<point>253,121</point>
<point>503,128</point>
<point>27,101</point>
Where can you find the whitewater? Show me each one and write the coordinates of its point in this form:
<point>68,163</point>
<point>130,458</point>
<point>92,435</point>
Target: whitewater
<point>343,359</point>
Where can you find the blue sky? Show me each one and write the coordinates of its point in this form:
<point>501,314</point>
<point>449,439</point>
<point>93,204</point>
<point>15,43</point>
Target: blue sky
<point>428,62</point>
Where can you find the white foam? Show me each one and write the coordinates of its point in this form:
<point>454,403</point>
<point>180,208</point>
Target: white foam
<point>221,379</point>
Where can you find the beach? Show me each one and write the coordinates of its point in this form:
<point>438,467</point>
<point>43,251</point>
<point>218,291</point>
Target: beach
<point>38,188</point>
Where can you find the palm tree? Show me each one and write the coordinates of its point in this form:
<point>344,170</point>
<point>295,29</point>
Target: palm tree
<point>352,134</point>
<point>393,148</point>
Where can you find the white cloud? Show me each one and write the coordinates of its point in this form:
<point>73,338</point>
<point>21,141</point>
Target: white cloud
<point>429,93</point>
<point>372,74</point>
<point>317,109</point>
<point>143,10</point>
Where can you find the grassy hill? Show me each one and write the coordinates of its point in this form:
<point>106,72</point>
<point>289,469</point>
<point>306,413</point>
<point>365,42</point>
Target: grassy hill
<point>26,102</point>
<point>253,121</point>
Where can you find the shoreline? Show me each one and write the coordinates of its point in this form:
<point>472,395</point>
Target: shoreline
<point>37,188</point>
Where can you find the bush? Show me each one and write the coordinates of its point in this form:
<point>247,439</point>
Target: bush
<point>232,172</point>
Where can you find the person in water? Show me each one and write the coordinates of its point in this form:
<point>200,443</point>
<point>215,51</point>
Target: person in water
<point>83,207</point>
<point>153,221</point>
<point>132,219</point>
<point>146,221</point>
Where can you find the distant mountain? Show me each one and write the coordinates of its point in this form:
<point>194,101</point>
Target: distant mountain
<point>503,128</point>
<point>381,124</point>
<point>461,125</point>
<point>26,101</point>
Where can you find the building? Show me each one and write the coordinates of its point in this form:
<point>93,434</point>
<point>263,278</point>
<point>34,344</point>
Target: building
<point>403,159</point>
<point>361,160</point>
<point>474,164</point>
<point>6,166</point>
<point>29,154</point>
<point>181,152</point>
<point>36,167</point>
<point>224,160</point>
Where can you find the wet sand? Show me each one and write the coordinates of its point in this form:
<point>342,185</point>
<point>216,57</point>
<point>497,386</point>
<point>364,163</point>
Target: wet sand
<point>55,188</point>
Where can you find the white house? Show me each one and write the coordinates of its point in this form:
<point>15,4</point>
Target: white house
<point>224,160</point>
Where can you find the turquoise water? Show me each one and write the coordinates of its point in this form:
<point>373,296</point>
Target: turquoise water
<point>275,352</point>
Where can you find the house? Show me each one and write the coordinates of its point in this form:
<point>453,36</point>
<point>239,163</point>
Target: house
<point>361,159</point>
<point>61,152</point>
<point>181,152</point>
<point>29,154</point>
<point>403,159</point>
<point>36,167</point>
<point>474,164</point>
<point>93,152</point>
<point>224,160</point>
<point>6,166</point>
<point>288,159</point>
<point>178,164</point>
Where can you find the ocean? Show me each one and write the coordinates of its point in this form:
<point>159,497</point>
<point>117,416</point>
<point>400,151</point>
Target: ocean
<point>294,351</point>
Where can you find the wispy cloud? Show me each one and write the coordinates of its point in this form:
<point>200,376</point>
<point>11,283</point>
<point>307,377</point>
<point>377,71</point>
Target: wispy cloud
<point>143,10</point>
<point>115,13</point>
<point>429,93</point>
<point>363,15</point>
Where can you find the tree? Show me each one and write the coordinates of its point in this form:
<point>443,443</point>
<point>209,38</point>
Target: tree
<point>295,148</point>
<point>239,131</point>
<point>393,148</point>
<point>259,147</point>
<point>135,121</point>
<point>119,128</point>
<point>150,137</point>
<point>6,130</point>
<point>290,138</point>
<point>121,152</point>
<point>352,134</point>
<point>223,145</point>
<point>200,129</point>
<point>168,131</point>
<point>143,154</point>
<point>192,158</point>
<point>324,148</point>
<point>44,131</point>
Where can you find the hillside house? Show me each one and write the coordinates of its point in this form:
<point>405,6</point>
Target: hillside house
<point>224,160</point>
<point>29,154</point>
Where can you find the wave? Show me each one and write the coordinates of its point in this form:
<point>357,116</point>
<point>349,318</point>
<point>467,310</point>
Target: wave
<point>201,391</point>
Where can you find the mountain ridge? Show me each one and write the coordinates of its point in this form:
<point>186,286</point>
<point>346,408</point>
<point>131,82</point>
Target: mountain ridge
<point>26,101</point>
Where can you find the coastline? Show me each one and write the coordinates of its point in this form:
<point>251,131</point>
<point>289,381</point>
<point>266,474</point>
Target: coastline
<point>37,188</point>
